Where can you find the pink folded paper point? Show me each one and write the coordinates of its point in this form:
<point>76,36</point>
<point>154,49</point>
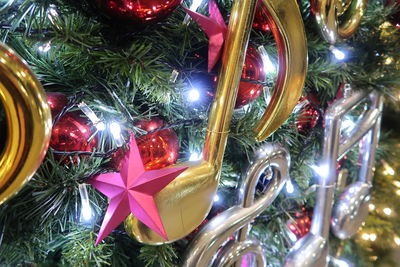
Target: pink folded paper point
<point>132,190</point>
<point>215,28</point>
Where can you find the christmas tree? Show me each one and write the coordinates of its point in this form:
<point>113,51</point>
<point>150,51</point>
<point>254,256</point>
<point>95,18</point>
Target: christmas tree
<point>131,87</point>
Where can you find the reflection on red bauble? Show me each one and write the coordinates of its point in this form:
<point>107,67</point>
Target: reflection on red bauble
<point>253,69</point>
<point>137,12</point>
<point>301,223</point>
<point>159,149</point>
<point>56,101</point>
<point>307,118</point>
<point>261,18</point>
<point>72,133</point>
<point>394,18</point>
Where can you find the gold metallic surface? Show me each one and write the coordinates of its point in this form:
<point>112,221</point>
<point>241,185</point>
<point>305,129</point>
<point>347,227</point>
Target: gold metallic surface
<point>186,201</point>
<point>288,29</point>
<point>339,19</point>
<point>28,123</point>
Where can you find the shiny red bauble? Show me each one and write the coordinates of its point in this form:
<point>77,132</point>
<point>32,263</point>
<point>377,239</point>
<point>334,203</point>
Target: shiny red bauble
<point>139,12</point>
<point>253,70</point>
<point>56,101</point>
<point>301,223</point>
<point>307,118</point>
<point>260,21</point>
<point>72,132</point>
<point>159,149</point>
<point>394,18</point>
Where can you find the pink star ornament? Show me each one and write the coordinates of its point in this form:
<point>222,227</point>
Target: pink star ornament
<point>132,190</point>
<point>215,28</point>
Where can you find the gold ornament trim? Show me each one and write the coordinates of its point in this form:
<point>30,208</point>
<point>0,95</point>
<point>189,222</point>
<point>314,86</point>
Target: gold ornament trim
<point>186,201</point>
<point>327,13</point>
<point>28,123</point>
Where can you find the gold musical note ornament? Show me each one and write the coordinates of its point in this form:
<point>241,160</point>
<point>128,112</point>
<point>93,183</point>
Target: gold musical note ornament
<point>186,201</point>
<point>338,19</point>
<point>28,123</point>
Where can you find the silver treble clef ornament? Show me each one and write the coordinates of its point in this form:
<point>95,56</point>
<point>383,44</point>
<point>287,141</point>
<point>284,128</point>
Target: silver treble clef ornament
<point>351,209</point>
<point>212,246</point>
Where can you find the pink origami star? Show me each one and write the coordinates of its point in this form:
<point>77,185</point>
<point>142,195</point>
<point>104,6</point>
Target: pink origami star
<point>215,28</point>
<point>132,190</point>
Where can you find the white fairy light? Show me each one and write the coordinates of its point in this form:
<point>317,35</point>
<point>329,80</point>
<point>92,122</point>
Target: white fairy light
<point>339,54</point>
<point>100,126</point>
<point>321,170</point>
<point>193,95</point>
<point>269,67</point>
<point>340,262</point>
<point>194,156</point>
<point>289,187</point>
<point>86,211</point>
<point>396,240</point>
<point>292,236</point>
<point>372,237</point>
<point>371,207</point>
<point>365,236</point>
<point>387,211</point>
<point>216,198</point>
<point>115,130</point>
<point>44,48</point>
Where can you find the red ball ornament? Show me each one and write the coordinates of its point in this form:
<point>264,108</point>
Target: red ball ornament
<point>261,17</point>
<point>72,131</point>
<point>56,101</point>
<point>159,149</point>
<point>394,18</point>
<point>253,69</point>
<point>137,12</point>
<point>307,118</point>
<point>301,223</point>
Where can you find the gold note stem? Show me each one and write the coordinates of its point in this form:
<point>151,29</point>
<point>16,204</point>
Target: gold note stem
<point>186,201</point>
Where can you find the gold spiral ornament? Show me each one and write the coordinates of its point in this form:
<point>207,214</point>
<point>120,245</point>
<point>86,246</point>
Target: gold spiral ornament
<point>187,200</point>
<point>338,19</point>
<point>28,123</point>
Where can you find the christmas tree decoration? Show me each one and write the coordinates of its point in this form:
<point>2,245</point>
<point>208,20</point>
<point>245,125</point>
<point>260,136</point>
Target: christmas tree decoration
<point>261,17</point>
<point>132,190</point>
<point>352,207</point>
<point>215,28</point>
<point>395,17</point>
<point>73,133</point>
<point>200,181</point>
<point>253,70</point>
<point>159,149</point>
<point>135,12</point>
<point>339,20</point>
<point>57,101</point>
<point>235,221</point>
<point>301,223</point>
<point>307,118</point>
<point>253,74</point>
<point>28,123</point>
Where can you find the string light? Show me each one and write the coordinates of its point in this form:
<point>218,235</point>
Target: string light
<point>193,95</point>
<point>387,211</point>
<point>339,55</point>
<point>269,67</point>
<point>86,211</point>
<point>115,130</point>
<point>216,198</point>
<point>289,187</point>
<point>397,240</point>
<point>387,169</point>
<point>371,237</point>
<point>194,156</point>
<point>396,183</point>
<point>398,192</point>
<point>292,236</point>
<point>321,170</point>
<point>44,48</point>
<point>340,262</point>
